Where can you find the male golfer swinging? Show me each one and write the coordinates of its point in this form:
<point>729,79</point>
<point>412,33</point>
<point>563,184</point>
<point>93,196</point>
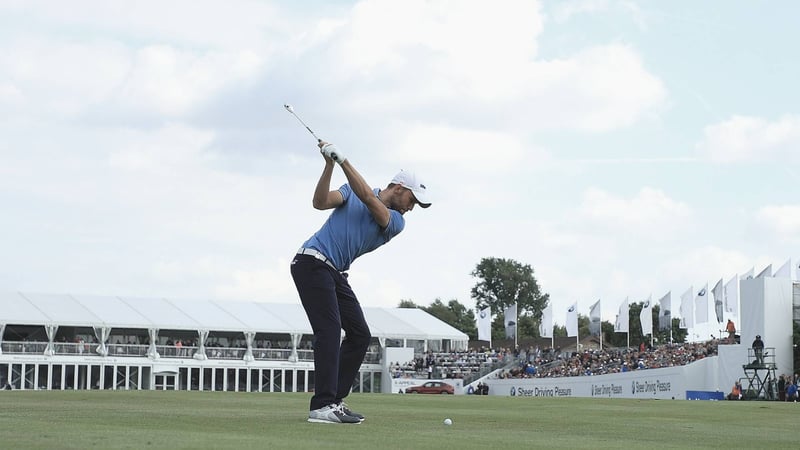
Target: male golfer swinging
<point>362,220</point>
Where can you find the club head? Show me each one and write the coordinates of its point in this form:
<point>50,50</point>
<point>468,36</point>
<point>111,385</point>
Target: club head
<point>288,108</point>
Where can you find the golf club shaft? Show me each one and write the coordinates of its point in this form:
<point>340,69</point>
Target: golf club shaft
<point>291,110</point>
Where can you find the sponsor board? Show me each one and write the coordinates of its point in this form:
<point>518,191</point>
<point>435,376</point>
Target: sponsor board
<point>540,391</point>
<point>667,383</point>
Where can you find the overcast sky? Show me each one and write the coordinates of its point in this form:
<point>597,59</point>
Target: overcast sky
<point>622,149</point>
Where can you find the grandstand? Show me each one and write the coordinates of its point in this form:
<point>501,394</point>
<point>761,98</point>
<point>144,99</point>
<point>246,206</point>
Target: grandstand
<point>108,342</point>
<point>767,306</point>
<point>90,342</point>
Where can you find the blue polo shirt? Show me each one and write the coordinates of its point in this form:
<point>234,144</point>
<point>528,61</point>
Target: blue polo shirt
<point>351,231</point>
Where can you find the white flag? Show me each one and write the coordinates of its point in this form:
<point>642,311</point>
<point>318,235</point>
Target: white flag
<point>511,321</point>
<point>701,305</point>
<point>546,327</point>
<point>595,319</point>
<point>766,273</point>
<point>485,324</point>
<point>719,295</point>
<point>732,296</point>
<point>621,324</point>
<point>749,274</point>
<point>665,312</point>
<point>687,309</point>
<point>646,316</point>
<point>572,320</point>
<point>785,271</point>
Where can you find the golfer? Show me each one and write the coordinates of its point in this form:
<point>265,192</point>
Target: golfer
<point>362,220</point>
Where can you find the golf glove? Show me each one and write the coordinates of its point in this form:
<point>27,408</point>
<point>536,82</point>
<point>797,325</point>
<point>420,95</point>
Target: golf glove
<point>332,152</point>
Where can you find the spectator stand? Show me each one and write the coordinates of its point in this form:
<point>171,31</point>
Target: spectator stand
<point>760,381</point>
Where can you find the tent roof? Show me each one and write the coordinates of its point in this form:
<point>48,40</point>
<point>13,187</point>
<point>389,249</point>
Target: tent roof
<point>129,312</point>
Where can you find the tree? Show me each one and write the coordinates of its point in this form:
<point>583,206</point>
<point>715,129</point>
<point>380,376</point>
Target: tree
<point>407,304</point>
<point>504,282</point>
<point>454,314</point>
<point>796,342</point>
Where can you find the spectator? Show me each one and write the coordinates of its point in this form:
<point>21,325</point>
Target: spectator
<point>736,391</point>
<point>791,392</point>
<point>731,329</point>
<point>782,388</point>
<point>758,350</point>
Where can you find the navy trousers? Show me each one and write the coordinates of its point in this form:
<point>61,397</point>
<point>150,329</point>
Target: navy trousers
<point>331,307</point>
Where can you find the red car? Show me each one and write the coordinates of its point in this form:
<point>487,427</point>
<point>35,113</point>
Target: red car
<point>431,387</point>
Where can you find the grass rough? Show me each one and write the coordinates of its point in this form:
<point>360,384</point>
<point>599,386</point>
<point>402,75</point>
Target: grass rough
<point>203,420</point>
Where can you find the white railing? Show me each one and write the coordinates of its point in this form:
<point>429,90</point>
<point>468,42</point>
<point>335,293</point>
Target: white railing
<point>165,351</point>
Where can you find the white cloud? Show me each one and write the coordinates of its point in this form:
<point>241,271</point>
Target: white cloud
<point>649,211</point>
<point>599,89</point>
<point>10,95</point>
<point>193,23</point>
<point>780,220</point>
<point>172,82</point>
<point>563,11</point>
<point>67,79</point>
<point>694,266</point>
<point>467,37</point>
<point>480,64</point>
<point>271,284</point>
<point>165,151</point>
<point>748,138</point>
<point>62,78</point>
<point>463,149</point>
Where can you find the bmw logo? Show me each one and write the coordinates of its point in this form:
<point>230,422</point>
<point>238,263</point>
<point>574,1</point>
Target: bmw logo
<point>513,391</point>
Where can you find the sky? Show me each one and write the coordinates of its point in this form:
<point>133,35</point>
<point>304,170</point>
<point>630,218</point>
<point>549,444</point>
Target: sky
<point>622,149</point>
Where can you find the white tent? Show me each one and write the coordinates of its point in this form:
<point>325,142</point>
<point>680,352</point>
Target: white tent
<point>100,312</point>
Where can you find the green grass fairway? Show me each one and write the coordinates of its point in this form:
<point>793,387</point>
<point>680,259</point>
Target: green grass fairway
<point>174,420</point>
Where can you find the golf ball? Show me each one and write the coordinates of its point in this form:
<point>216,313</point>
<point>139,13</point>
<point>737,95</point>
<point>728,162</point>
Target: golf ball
<point>448,422</point>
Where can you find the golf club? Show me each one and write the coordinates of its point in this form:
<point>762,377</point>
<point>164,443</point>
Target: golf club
<point>291,110</point>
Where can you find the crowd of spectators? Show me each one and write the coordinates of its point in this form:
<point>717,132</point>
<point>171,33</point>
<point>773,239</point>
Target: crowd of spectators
<point>552,363</point>
<point>462,364</point>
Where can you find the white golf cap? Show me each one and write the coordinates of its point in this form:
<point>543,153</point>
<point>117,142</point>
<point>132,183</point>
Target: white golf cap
<point>410,181</point>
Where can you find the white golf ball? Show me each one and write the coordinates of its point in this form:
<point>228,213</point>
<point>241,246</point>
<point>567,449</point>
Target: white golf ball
<point>448,422</point>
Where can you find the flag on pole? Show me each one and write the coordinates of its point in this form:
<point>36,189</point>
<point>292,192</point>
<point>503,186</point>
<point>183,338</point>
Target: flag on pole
<point>485,325</point>
<point>646,316</point>
<point>511,321</point>
<point>785,271</point>
<point>546,327</point>
<point>665,312</point>
<point>572,320</point>
<point>749,274</point>
<point>687,316</point>
<point>719,294</point>
<point>621,324</point>
<point>732,296</point>
<point>701,305</point>
<point>766,273</point>
<point>595,320</point>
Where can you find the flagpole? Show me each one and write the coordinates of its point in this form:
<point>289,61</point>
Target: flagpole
<point>516,324</point>
<point>652,332</point>
<point>601,335</point>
